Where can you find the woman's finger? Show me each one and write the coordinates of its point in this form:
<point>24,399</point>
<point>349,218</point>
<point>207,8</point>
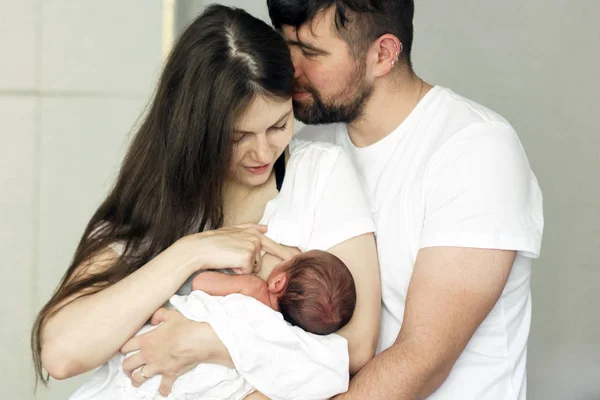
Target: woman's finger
<point>248,260</point>
<point>141,375</point>
<point>132,363</point>
<point>257,263</point>
<point>161,315</point>
<point>132,344</point>
<point>261,228</point>
<point>272,247</point>
<point>253,235</point>
<point>166,385</point>
<point>250,267</point>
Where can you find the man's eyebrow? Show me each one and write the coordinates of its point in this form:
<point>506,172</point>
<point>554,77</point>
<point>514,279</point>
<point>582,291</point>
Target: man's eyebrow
<point>306,46</point>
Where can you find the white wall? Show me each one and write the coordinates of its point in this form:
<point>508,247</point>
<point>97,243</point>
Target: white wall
<point>73,79</point>
<point>187,10</point>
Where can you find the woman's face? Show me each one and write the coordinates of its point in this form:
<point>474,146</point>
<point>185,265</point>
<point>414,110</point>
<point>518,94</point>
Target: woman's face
<point>259,138</point>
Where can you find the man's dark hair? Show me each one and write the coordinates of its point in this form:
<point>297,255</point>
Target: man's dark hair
<point>359,22</point>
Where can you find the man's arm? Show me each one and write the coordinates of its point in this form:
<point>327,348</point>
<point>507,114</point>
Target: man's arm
<point>451,292</point>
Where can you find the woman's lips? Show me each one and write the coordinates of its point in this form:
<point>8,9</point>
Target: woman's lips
<point>258,170</point>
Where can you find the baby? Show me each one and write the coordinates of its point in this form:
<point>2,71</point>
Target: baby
<point>313,290</point>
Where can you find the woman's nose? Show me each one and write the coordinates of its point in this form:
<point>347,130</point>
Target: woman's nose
<point>261,149</point>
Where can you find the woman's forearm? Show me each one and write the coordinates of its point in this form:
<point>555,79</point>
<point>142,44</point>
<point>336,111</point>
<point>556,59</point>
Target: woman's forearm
<point>87,332</point>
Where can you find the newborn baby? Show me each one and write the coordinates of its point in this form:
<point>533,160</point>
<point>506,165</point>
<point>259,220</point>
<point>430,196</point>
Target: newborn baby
<point>313,290</point>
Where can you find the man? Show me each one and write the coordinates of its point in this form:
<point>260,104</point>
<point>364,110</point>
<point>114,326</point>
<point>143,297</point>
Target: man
<point>457,208</point>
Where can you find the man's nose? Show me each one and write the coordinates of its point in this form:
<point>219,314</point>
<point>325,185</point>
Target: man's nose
<point>296,61</point>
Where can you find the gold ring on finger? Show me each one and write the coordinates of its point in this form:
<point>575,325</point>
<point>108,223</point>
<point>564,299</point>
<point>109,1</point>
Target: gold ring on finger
<point>142,372</point>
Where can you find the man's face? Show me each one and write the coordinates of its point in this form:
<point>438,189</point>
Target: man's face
<point>330,84</point>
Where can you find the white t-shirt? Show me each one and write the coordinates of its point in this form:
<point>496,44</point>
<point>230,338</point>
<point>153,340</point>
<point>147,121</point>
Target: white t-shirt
<point>454,174</point>
<point>321,203</point>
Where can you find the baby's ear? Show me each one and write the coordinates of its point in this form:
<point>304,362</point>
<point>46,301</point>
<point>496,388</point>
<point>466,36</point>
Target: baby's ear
<point>278,283</point>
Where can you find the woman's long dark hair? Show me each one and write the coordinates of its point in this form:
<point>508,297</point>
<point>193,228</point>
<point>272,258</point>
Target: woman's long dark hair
<point>170,183</point>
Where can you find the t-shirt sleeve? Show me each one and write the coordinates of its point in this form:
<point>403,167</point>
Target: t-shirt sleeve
<point>342,211</point>
<point>480,192</point>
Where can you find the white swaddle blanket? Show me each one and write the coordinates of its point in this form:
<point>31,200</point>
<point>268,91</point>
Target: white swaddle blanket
<point>320,205</point>
<point>319,363</point>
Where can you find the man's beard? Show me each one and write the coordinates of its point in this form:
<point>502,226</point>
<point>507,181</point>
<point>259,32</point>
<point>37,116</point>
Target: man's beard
<point>342,110</point>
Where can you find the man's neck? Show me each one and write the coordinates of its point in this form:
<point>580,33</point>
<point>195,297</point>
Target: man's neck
<point>391,102</point>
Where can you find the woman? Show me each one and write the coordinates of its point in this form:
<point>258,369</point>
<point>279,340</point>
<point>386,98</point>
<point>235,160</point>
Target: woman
<point>201,164</point>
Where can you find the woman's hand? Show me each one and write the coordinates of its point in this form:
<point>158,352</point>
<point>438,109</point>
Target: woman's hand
<point>170,350</point>
<point>236,247</point>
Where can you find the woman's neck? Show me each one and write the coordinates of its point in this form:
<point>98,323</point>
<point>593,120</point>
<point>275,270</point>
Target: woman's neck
<point>246,204</point>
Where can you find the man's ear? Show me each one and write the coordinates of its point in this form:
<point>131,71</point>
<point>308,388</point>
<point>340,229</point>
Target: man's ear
<point>278,283</point>
<point>385,54</point>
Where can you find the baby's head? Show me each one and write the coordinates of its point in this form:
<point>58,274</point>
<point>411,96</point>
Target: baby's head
<point>314,290</point>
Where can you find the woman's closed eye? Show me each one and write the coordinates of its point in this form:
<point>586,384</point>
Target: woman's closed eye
<point>240,137</point>
<point>281,127</point>
<point>309,54</point>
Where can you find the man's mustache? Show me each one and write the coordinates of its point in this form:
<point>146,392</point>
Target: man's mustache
<point>304,88</point>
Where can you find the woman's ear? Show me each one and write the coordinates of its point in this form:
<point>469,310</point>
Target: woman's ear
<point>278,283</point>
